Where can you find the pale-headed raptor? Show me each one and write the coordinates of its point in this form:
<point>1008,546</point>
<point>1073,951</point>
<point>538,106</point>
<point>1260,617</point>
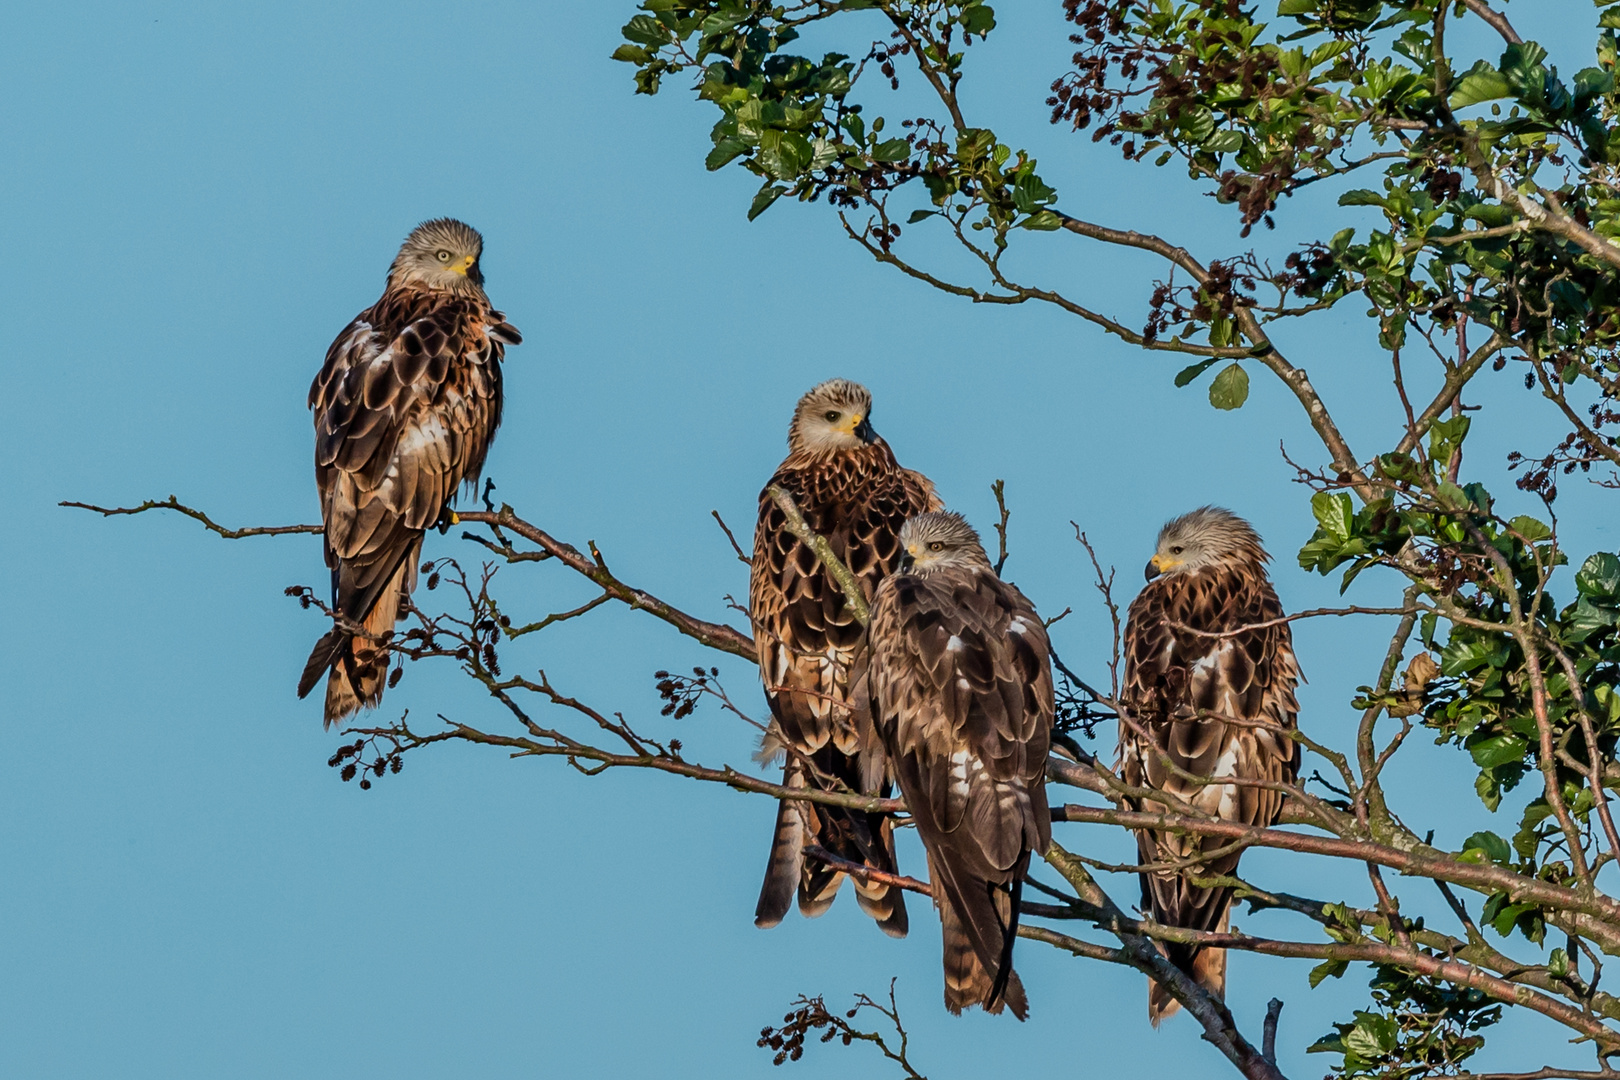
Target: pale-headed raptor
<point>961,689</point>
<point>1208,696</point>
<point>851,490</point>
<point>406,406</point>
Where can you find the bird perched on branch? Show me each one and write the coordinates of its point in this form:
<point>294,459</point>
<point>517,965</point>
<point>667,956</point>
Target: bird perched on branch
<point>406,406</point>
<point>961,689</point>
<point>1208,702</point>
<point>851,491</point>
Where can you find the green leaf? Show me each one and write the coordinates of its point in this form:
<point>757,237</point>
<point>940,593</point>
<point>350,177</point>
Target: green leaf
<point>1362,197</point>
<point>892,150</point>
<point>1329,51</point>
<point>1328,969</point>
<point>1488,790</point>
<point>1297,7</point>
<point>1230,388</point>
<point>1483,83</point>
<point>1488,844</point>
<point>1589,618</point>
<point>1593,82</point>
<point>1399,467</point>
<point>1453,497</point>
<point>1373,1036</point>
<point>646,30</point>
<point>979,19</point>
<point>1192,371</point>
<point>1498,750</point>
<point>762,202</point>
<point>632,54</point>
<point>1445,436</point>
<point>1335,513</point>
<point>1327,1044</point>
<point>1558,964</point>
<point>1599,577</point>
<point>724,151</point>
<point>1355,571</point>
<point>1532,530</point>
<point>1463,654</point>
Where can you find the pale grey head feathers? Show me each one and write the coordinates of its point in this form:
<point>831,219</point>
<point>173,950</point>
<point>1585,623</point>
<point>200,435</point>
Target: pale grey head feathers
<point>1208,536</point>
<point>834,416</point>
<point>939,541</point>
<point>441,254</point>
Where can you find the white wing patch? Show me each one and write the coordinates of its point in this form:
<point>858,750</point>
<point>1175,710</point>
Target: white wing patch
<point>1208,661</point>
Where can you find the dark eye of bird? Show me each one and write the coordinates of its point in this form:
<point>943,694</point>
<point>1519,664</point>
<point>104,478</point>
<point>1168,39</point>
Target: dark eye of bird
<point>1175,551</point>
<point>936,546</point>
<point>831,417</point>
<point>444,256</point>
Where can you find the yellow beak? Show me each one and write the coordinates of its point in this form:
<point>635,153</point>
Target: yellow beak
<point>466,264</point>
<point>1159,564</point>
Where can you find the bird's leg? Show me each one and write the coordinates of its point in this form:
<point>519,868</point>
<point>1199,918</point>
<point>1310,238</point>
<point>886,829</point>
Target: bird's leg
<point>447,518</point>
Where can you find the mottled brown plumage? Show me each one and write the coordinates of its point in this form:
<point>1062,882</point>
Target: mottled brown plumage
<point>406,406</point>
<point>961,691</point>
<point>1214,706</point>
<point>851,490</point>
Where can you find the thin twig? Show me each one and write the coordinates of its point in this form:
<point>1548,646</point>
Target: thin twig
<point>999,489</point>
<point>172,503</point>
<point>744,559</point>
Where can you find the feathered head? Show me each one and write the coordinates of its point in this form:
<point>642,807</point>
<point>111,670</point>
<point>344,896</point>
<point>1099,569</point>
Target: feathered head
<point>837,415</point>
<point>1208,536</point>
<point>941,540</point>
<point>441,254</point>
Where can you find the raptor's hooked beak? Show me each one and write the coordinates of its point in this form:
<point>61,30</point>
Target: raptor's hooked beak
<point>907,560</point>
<point>1153,569</point>
<point>864,430</point>
<point>466,265</point>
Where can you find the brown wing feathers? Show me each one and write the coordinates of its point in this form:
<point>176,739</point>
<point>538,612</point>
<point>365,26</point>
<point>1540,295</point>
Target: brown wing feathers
<point>1179,686</point>
<point>406,406</point>
<point>962,692</point>
<point>810,646</point>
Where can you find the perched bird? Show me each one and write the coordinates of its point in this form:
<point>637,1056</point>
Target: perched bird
<point>1208,694</point>
<point>406,406</point>
<point>961,689</point>
<point>851,490</point>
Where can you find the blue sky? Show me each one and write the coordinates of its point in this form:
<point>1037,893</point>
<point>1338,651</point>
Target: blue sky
<point>198,197</point>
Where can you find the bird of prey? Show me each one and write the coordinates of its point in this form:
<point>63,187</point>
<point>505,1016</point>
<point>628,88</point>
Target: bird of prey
<point>851,491</point>
<point>961,689</point>
<point>1208,697</point>
<point>406,406</point>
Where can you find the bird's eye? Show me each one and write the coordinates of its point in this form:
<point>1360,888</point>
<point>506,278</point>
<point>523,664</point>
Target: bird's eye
<point>831,417</point>
<point>937,545</point>
<point>1175,551</point>
<point>443,256</point>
